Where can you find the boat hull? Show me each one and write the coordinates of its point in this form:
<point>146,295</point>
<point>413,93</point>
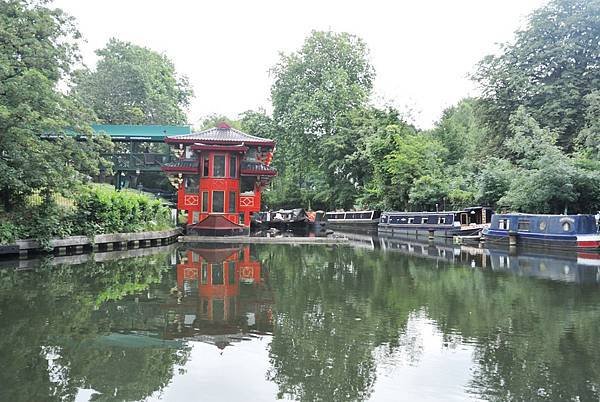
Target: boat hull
<point>367,226</point>
<point>425,230</point>
<point>542,240</point>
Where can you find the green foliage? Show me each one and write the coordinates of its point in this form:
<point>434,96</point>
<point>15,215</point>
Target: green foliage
<point>39,45</point>
<point>460,131</point>
<point>314,89</point>
<point>98,209</point>
<point>214,119</point>
<point>550,69</point>
<point>9,232</point>
<point>133,85</point>
<point>101,209</point>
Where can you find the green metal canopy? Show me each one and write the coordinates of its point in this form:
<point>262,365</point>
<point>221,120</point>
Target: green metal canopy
<point>130,132</point>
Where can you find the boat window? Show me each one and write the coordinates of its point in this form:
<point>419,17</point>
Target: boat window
<point>566,226</point>
<point>195,217</point>
<point>219,166</point>
<point>503,224</point>
<point>523,226</point>
<point>441,220</point>
<point>218,201</point>
<point>411,220</point>
<point>543,225</point>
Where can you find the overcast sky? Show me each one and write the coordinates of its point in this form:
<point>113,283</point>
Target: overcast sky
<point>422,51</point>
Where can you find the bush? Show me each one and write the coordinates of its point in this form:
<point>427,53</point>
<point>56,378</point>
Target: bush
<point>9,232</point>
<point>101,209</point>
<point>98,209</point>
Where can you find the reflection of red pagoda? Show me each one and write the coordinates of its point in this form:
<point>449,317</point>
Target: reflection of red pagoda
<point>220,176</point>
<point>221,296</point>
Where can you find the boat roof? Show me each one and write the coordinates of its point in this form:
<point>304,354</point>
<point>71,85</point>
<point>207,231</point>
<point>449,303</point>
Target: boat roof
<point>354,212</point>
<point>544,215</point>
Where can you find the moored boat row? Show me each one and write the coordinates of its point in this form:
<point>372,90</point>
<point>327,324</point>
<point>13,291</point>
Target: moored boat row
<point>515,229</point>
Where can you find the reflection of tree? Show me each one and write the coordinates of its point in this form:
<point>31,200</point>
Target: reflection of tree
<point>53,312</point>
<point>533,339</point>
<point>332,309</point>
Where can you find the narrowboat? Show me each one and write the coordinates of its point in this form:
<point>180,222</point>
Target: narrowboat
<point>469,221</point>
<point>355,221</point>
<point>547,231</point>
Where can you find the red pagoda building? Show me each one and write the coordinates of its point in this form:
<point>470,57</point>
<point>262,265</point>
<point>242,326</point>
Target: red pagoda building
<point>219,177</point>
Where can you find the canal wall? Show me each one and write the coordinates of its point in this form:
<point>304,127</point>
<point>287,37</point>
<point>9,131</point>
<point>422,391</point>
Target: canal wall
<point>263,240</point>
<point>103,242</point>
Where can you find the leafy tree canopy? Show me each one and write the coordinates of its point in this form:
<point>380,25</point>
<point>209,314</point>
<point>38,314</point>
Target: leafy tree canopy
<point>38,48</point>
<point>549,69</point>
<point>134,85</point>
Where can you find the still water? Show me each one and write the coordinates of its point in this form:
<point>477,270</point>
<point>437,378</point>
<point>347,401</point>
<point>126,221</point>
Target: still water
<point>380,320</point>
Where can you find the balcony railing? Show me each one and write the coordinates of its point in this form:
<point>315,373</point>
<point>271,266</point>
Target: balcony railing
<point>139,161</point>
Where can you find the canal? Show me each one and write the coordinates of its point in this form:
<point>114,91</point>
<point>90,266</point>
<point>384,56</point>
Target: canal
<point>381,320</point>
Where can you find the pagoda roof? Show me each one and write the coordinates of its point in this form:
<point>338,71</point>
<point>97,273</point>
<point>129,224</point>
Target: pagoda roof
<point>222,134</point>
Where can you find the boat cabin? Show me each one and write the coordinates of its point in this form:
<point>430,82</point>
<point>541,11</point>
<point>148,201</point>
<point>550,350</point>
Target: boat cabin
<point>446,223</point>
<point>352,216</point>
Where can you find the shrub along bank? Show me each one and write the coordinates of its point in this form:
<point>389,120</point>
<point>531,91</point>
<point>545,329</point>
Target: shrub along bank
<point>95,209</point>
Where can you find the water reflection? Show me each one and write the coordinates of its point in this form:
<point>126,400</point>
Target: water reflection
<point>386,319</point>
<point>568,266</point>
<point>221,296</point>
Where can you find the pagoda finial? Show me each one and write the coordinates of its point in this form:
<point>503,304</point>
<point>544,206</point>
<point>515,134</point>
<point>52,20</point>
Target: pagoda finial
<point>223,125</point>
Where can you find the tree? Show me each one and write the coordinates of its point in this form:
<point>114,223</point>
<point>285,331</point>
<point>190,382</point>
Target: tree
<point>313,89</point>
<point>550,69</point>
<point>38,47</point>
<point>461,132</point>
<point>416,159</point>
<point>134,85</point>
<point>589,136</point>
<point>213,120</point>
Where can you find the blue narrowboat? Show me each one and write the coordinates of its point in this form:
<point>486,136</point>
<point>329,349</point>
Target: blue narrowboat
<point>549,231</point>
<point>469,221</point>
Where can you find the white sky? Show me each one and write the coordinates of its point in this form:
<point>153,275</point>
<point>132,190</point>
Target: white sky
<point>422,51</point>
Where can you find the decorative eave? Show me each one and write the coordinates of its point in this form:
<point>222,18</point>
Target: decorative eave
<point>181,166</point>
<point>223,134</point>
<point>217,147</point>
<point>257,169</point>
